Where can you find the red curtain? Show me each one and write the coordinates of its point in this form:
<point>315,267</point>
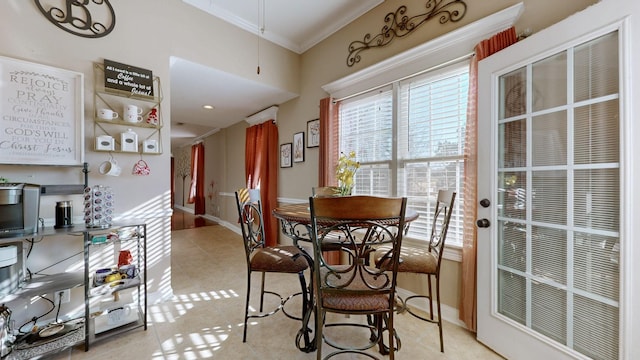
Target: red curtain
<point>173,182</point>
<point>468,293</point>
<point>196,191</point>
<point>328,156</point>
<point>261,170</point>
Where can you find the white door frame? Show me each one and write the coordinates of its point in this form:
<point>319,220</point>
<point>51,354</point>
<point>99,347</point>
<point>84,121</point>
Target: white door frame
<point>603,16</point>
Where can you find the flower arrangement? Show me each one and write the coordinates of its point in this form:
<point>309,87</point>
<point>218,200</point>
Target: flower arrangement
<point>345,172</point>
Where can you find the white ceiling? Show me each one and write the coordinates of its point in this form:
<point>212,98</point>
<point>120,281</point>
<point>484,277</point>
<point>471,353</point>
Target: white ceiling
<point>294,24</point>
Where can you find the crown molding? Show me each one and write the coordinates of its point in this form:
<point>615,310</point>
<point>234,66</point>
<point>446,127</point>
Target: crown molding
<point>270,113</point>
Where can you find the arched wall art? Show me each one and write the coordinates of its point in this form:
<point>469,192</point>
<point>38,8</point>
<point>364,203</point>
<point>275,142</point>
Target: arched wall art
<point>398,24</point>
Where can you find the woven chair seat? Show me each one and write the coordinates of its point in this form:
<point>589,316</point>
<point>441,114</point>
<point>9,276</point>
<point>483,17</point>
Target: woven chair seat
<point>412,260</point>
<point>355,296</point>
<point>278,259</point>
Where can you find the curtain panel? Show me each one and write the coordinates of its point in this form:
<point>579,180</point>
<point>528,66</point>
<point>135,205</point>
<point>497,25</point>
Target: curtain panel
<point>196,190</point>
<point>468,293</point>
<point>328,150</point>
<point>261,172</point>
<point>328,155</point>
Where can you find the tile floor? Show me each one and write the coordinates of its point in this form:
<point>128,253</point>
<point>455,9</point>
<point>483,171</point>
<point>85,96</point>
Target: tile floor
<point>204,318</point>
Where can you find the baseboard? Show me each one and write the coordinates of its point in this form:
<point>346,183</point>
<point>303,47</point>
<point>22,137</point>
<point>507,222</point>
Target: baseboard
<point>236,229</point>
<point>184,209</point>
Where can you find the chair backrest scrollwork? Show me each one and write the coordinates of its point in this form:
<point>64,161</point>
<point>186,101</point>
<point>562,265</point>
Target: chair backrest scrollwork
<point>440,224</point>
<point>250,219</point>
<point>365,222</point>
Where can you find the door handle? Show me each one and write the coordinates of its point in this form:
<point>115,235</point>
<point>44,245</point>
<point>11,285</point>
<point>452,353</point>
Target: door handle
<point>485,203</point>
<point>483,223</point>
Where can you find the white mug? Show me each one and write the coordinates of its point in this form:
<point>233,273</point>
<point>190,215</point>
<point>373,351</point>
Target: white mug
<point>134,118</point>
<point>110,167</point>
<point>132,110</point>
<point>107,114</point>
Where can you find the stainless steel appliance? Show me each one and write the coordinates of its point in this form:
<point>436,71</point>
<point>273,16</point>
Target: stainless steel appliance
<point>9,270</point>
<point>64,214</point>
<point>19,209</point>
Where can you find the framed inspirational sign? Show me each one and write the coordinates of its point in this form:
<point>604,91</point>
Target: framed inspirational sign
<point>41,114</point>
<point>127,78</point>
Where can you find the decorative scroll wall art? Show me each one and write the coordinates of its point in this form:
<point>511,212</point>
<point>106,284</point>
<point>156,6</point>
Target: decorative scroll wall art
<point>87,18</point>
<point>41,114</point>
<point>398,24</point>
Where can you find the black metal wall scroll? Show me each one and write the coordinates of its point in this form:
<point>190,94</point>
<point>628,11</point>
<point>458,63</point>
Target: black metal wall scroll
<point>397,24</point>
<point>86,18</point>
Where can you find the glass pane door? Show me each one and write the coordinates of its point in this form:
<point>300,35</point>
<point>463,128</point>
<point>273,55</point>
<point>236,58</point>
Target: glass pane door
<point>559,197</point>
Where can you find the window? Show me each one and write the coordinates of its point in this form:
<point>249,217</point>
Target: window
<point>409,140</point>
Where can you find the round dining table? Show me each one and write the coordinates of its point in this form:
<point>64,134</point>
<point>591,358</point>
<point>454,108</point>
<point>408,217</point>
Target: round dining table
<point>295,220</point>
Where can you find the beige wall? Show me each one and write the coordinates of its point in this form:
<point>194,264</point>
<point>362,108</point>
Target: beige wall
<point>149,32</point>
<point>326,62</point>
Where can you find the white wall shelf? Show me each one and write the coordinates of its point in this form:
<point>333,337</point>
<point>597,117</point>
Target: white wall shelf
<point>115,100</point>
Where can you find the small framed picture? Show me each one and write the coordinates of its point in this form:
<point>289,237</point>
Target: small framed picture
<point>298,147</point>
<point>313,133</point>
<point>285,155</point>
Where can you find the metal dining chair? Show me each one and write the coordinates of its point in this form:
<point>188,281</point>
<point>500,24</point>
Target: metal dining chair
<point>356,288</point>
<point>264,259</point>
<point>425,259</point>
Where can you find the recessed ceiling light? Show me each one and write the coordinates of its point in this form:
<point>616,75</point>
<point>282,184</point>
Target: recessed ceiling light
<point>208,107</point>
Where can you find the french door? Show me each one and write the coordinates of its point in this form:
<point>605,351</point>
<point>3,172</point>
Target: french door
<point>550,164</point>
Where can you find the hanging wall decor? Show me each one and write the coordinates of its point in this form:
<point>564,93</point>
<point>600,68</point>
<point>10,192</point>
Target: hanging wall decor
<point>313,133</point>
<point>285,155</point>
<point>298,147</point>
<point>41,114</point>
<point>88,18</point>
<point>398,24</point>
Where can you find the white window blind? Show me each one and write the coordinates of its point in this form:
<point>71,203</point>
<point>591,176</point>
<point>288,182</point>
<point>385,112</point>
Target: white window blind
<point>432,119</point>
<point>366,127</point>
<point>415,148</point>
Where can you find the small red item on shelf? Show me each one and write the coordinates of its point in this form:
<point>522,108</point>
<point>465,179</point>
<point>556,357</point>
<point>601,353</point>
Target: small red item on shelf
<point>153,117</point>
<point>124,258</point>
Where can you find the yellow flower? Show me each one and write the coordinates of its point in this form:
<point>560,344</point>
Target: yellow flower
<point>345,172</point>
